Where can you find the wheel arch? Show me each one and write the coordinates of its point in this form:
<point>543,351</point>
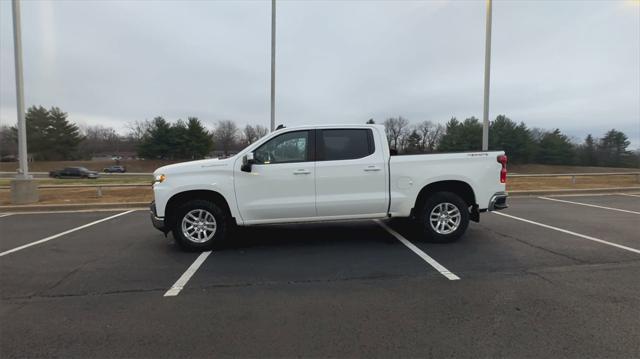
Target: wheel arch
<point>182,197</point>
<point>461,188</point>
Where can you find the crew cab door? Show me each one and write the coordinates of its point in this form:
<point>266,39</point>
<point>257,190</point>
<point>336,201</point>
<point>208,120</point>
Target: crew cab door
<point>350,173</point>
<point>281,184</point>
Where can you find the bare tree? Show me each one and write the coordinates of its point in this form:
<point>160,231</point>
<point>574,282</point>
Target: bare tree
<point>397,130</point>
<point>249,135</point>
<point>99,139</point>
<point>8,143</point>
<point>137,129</point>
<point>226,134</point>
<point>430,133</point>
<point>261,131</point>
<point>433,138</point>
<point>424,128</point>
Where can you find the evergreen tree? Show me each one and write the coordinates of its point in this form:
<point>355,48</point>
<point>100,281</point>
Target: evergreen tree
<point>612,148</point>
<point>157,141</point>
<point>514,139</point>
<point>50,136</point>
<point>588,155</point>
<point>462,136</point>
<point>555,149</point>
<point>63,136</point>
<point>200,140</point>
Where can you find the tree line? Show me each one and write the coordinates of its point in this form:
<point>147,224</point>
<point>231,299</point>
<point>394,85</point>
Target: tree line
<point>52,136</point>
<point>522,144</point>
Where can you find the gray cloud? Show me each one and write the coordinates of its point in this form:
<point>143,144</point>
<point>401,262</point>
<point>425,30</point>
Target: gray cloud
<point>566,64</point>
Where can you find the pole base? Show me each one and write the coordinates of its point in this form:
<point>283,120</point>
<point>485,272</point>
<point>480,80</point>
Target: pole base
<point>24,191</point>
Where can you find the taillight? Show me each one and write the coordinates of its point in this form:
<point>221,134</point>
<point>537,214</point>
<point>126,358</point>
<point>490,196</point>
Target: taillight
<point>502,159</point>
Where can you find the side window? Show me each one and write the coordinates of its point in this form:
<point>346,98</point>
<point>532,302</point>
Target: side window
<point>346,144</point>
<point>288,147</point>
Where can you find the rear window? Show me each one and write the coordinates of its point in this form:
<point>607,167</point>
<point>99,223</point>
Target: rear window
<point>345,144</point>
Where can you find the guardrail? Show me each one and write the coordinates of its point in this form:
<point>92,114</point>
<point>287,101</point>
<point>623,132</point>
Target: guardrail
<point>46,174</point>
<point>98,187</point>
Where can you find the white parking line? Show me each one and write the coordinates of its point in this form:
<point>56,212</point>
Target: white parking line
<point>571,233</point>
<point>437,266</point>
<point>184,278</point>
<point>62,234</point>
<point>629,194</point>
<point>5,215</point>
<point>589,205</point>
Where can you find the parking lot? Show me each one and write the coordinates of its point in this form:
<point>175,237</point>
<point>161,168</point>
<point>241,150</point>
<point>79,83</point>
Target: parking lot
<point>549,277</point>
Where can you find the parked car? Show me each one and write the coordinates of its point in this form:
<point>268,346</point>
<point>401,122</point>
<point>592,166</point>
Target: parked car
<point>74,172</point>
<point>325,173</point>
<point>115,169</point>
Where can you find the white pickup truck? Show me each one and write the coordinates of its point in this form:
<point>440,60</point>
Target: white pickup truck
<point>325,173</point>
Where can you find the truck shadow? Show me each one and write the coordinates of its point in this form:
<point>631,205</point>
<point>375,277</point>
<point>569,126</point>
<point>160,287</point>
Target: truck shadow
<point>309,235</point>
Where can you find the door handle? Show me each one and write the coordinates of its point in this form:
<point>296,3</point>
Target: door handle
<point>372,169</point>
<point>301,172</point>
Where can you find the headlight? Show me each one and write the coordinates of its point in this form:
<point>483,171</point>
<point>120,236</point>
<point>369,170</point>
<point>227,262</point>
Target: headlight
<point>159,178</point>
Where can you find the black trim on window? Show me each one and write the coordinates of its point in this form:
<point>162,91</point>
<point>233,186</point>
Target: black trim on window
<point>372,146</point>
<point>311,147</point>
<point>320,146</point>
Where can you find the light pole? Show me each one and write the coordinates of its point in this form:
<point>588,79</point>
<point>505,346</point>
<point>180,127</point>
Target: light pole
<point>487,70</point>
<point>23,188</point>
<point>273,64</point>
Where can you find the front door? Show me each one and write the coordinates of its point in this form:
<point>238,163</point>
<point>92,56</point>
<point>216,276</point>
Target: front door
<point>281,184</point>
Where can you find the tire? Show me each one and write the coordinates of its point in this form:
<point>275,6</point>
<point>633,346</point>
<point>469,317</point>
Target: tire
<point>200,212</point>
<point>444,217</point>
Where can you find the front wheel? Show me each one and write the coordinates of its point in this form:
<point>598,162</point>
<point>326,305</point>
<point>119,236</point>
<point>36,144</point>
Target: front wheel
<point>444,217</point>
<point>199,225</point>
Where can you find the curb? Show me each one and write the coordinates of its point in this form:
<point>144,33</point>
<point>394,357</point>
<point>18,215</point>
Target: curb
<point>73,207</point>
<point>572,191</point>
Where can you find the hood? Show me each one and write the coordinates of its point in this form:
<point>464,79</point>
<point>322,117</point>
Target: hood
<point>195,166</point>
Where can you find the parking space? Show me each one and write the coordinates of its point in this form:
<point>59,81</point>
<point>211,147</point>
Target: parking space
<point>620,201</point>
<point>336,289</point>
<point>602,223</point>
<point>27,228</point>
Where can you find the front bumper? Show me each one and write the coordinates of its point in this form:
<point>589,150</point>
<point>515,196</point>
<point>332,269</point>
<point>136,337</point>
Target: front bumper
<point>158,222</point>
<point>498,201</point>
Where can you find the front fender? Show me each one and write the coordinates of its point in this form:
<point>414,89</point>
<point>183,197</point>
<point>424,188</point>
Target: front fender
<point>220,183</point>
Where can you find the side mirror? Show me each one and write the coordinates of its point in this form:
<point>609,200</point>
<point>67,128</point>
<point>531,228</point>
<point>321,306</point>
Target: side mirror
<point>247,161</point>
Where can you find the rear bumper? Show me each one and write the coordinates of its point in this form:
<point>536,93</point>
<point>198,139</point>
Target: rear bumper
<point>158,222</point>
<point>498,201</point>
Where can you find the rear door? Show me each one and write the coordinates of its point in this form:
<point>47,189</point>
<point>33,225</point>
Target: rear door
<point>350,173</point>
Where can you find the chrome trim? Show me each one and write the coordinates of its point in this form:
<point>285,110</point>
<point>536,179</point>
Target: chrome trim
<point>498,201</point>
<point>158,222</point>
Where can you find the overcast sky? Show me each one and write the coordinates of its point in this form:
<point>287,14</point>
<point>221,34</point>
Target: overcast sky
<point>568,64</point>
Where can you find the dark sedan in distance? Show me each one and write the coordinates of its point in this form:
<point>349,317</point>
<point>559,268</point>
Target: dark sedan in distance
<point>74,172</point>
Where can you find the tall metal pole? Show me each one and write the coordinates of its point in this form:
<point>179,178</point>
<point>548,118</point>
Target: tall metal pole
<point>487,70</point>
<point>22,128</point>
<point>273,64</point>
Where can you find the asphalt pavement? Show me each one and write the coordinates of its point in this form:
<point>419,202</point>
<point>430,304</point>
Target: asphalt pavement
<point>549,277</point>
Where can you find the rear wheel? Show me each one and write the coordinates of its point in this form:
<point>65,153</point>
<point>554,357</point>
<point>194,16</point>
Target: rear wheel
<point>199,225</point>
<point>444,217</point>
